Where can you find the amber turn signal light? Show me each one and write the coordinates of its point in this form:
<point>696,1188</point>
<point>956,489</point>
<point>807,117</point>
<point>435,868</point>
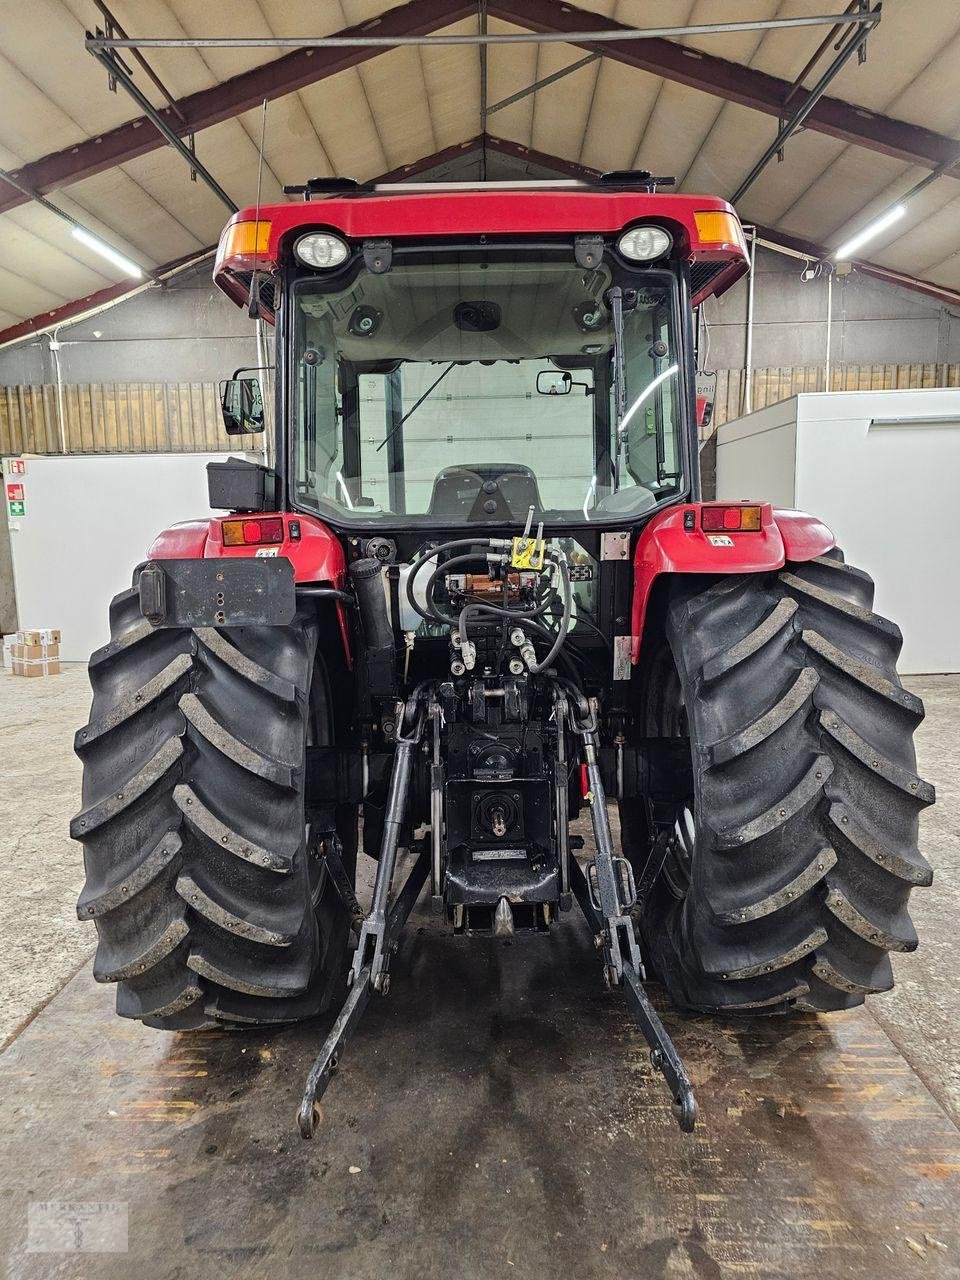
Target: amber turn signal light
<point>716,227</point>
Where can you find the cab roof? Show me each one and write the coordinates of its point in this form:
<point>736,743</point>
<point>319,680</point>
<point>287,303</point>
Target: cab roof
<point>705,229</point>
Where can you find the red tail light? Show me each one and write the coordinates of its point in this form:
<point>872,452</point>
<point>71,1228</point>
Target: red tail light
<point>740,519</point>
<point>251,533</point>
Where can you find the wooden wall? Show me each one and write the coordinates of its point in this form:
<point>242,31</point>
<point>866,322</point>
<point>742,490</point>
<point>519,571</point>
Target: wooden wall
<point>184,417</point>
<point>117,417</point>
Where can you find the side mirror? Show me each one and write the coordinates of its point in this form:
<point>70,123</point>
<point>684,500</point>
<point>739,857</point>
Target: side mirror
<point>551,382</point>
<point>241,403</point>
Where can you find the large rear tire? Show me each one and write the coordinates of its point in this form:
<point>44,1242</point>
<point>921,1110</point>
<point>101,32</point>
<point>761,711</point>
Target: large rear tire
<point>205,881</point>
<point>792,865</point>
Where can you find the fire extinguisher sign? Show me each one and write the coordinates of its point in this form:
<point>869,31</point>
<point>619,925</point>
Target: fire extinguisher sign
<point>14,492</point>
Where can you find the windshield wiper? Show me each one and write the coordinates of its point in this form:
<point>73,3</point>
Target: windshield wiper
<point>413,410</point>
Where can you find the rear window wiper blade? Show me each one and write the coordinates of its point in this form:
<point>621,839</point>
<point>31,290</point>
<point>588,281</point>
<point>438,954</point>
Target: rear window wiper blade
<point>410,412</point>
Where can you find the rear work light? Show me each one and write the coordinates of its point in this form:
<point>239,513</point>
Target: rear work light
<point>321,250</point>
<point>643,244</point>
<point>730,519</point>
<point>252,533</point>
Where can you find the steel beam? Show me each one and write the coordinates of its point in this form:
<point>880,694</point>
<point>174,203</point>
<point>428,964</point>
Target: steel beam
<point>854,44</point>
<point>832,37</point>
<point>733,82</point>
<point>119,74</point>
<point>379,41</point>
<point>224,101</point>
<point>888,275</point>
<point>541,84</point>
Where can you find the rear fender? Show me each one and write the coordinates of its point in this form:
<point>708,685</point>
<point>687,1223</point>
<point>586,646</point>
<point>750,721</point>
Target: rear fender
<point>667,546</point>
<point>314,551</point>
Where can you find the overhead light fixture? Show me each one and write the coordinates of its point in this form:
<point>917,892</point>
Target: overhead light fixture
<point>869,231</point>
<point>123,264</point>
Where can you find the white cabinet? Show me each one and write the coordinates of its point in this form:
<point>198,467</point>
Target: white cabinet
<point>882,469</point>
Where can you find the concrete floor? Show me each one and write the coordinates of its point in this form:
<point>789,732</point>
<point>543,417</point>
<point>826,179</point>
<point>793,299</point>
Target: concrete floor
<point>487,1117</point>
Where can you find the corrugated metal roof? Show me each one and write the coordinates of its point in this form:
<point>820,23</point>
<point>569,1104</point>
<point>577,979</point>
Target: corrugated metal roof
<point>399,106</point>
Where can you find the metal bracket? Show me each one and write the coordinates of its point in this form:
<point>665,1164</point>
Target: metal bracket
<point>236,592</point>
<point>653,865</point>
<point>615,546</point>
<point>377,256</point>
<point>588,251</point>
<point>332,849</point>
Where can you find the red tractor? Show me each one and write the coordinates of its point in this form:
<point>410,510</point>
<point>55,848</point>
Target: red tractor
<point>476,595</point>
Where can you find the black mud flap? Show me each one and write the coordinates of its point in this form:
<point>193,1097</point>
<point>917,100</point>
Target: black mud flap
<point>218,593</point>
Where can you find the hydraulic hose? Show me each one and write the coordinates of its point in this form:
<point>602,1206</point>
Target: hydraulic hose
<point>523,617</point>
<point>317,591</point>
<point>441,571</point>
<point>424,557</point>
<point>565,620</point>
<point>520,616</point>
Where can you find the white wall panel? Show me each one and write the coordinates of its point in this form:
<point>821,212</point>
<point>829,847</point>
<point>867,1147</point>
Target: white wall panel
<point>88,521</point>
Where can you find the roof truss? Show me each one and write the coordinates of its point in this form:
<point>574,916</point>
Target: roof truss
<point>727,80</point>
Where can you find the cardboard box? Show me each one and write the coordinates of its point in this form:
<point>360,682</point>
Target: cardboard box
<point>35,666</point>
<point>30,652</point>
<point>39,635</point>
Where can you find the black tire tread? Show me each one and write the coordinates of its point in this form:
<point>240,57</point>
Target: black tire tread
<point>807,800</point>
<point>192,824</point>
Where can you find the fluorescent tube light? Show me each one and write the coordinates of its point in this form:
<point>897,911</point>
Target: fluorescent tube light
<point>105,251</point>
<point>869,231</point>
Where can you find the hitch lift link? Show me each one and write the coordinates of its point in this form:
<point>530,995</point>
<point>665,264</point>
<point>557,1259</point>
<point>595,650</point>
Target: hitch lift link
<point>606,895</point>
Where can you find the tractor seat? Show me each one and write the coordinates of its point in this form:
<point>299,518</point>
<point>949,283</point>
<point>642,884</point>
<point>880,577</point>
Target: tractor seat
<point>459,492</point>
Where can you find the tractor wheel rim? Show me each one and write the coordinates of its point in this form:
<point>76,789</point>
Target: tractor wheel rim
<point>678,867</point>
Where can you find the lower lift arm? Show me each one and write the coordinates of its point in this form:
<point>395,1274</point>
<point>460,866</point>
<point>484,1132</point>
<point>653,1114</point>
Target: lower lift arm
<point>606,895</point>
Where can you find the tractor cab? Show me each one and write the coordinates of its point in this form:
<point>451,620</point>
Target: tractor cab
<point>457,357</point>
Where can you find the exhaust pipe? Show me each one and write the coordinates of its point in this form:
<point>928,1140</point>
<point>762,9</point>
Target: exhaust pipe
<point>367,578</point>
